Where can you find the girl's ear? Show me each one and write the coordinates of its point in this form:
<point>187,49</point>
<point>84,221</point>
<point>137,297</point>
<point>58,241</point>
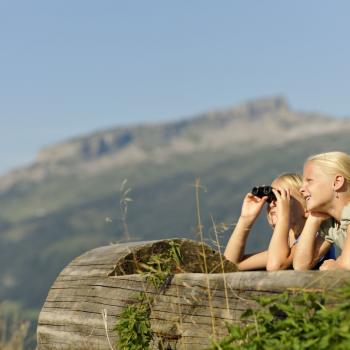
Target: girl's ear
<point>338,182</point>
<point>306,213</point>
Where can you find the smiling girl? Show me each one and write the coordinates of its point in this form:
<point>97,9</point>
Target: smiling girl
<point>286,215</point>
<point>326,189</point>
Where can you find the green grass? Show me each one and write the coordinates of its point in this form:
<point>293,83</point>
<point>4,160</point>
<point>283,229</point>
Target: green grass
<point>302,321</point>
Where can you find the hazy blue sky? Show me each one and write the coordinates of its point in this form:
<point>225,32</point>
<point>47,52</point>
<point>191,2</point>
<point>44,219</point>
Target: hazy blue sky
<point>70,67</point>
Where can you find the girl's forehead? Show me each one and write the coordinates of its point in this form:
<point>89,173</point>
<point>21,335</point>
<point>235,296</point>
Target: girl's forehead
<point>294,188</point>
<point>312,168</point>
<point>281,183</point>
<point>276,182</point>
<point>309,166</point>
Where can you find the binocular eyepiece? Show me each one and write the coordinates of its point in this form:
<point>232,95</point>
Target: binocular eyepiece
<point>262,191</point>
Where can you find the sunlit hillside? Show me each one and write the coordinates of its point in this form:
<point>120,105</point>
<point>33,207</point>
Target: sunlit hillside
<point>68,200</point>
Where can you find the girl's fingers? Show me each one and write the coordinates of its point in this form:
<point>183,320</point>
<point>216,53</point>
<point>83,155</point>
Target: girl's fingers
<point>264,199</point>
<point>288,193</point>
<point>260,199</point>
<point>255,198</point>
<point>283,193</point>
<point>276,192</point>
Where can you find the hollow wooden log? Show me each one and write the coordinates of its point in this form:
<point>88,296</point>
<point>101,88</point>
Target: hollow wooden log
<point>186,313</point>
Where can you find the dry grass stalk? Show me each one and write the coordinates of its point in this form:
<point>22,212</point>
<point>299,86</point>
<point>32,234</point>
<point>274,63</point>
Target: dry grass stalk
<point>124,200</point>
<point>200,231</point>
<point>105,323</point>
<point>222,264</point>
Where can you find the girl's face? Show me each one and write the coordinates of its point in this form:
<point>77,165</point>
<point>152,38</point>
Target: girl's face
<point>272,213</point>
<point>297,211</point>
<point>317,188</point>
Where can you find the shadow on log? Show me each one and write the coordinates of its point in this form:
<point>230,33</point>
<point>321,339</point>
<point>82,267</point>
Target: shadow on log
<point>186,313</point>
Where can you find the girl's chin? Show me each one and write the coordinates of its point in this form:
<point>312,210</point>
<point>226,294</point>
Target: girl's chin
<point>313,206</point>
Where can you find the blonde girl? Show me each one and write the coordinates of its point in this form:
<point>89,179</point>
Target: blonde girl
<point>286,215</point>
<point>326,189</point>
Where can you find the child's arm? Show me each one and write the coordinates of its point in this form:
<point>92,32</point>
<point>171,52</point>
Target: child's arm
<point>280,254</point>
<point>311,247</point>
<point>236,245</point>
<point>256,261</point>
<point>235,248</point>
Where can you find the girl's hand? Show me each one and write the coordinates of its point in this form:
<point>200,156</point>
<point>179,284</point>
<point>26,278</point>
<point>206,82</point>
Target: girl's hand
<point>252,206</point>
<point>329,264</point>
<point>317,216</point>
<point>282,202</point>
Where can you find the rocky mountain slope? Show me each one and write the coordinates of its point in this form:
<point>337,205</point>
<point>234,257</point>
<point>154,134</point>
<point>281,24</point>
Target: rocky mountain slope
<point>248,126</point>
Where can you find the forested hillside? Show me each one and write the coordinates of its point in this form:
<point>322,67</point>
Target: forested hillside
<point>68,200</point>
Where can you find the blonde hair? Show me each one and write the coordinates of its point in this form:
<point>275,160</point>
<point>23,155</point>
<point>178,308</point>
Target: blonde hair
<point>294,181</point>
<point>333,163</point>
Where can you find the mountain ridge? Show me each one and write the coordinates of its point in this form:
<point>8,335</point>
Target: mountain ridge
<point>239,126</point>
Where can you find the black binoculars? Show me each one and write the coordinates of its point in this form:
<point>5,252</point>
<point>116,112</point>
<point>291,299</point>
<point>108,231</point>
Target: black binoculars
<point>262,191</point>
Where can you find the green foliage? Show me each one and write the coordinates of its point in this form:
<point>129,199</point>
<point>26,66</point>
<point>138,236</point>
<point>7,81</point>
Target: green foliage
<point>160,267</point>
<point>175,253</point>
<point>157,270</point>
<point>133,327</point>
<point>305,320</point>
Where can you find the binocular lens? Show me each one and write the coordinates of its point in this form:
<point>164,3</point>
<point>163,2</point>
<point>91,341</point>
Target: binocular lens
<point>255,191</point>
<point>267,190</point>
<point>262,191</point>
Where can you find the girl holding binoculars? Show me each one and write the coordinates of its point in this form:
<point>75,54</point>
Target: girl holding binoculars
<point>286,214</point>
<point>326,189</point>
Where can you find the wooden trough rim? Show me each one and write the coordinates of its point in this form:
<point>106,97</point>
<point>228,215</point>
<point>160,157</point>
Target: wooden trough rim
<point>190,306</point>
<point>279,281</point>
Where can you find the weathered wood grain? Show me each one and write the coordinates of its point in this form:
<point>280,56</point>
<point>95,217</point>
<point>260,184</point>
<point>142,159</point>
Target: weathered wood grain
<point>191,310</point>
